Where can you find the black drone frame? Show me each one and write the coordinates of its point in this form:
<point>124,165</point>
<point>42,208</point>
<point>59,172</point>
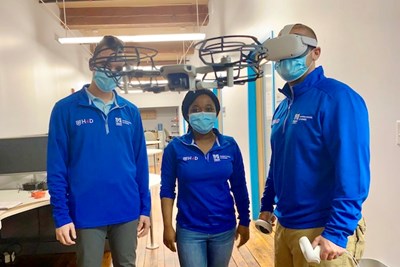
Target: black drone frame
<point>228,60</point>
<point>126,63</point>
<point>244,52</point>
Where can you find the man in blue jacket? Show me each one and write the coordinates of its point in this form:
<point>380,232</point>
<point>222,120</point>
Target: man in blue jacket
<point>319,171</point>
<point>97,169</point>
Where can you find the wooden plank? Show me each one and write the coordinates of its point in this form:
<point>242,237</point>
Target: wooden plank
<point>142,30</point>
<point>167,20</point>
<point>130,16</point>
<point>148,114</point>
<point>238,258</point>
<point>54,1</point>
<point>248,257</point>
<point>164,10</point>
<point>121,3</point>
<point>261,247</point>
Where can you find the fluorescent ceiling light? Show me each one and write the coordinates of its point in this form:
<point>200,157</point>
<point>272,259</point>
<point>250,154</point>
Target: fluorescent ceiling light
<point>137,38</point>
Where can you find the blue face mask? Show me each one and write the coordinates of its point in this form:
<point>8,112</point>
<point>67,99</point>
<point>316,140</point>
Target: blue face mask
<point>292,69</point>
<point>103,82</point>
<point>202,122</point>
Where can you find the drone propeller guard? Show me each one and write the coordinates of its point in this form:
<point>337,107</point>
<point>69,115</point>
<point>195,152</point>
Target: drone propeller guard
<point>228,60</point>
<point>234,53</point>
<point>127,63</point>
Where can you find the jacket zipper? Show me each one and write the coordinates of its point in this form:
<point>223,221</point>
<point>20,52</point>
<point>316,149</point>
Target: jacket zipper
<point>206,156</point>
<point>105,118</point>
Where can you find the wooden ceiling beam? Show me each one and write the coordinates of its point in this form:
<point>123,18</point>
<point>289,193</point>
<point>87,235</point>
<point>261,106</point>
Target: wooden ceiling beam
<point>101,31</point>
<point>166,47</point>
<point>135,11</point>
<point>133,22</point>
<point>135,17</point>
<point>121,3</point>
<point>55,1</point>
<point>138,28</point>
<point>128,17</point>
<point>167,51</point>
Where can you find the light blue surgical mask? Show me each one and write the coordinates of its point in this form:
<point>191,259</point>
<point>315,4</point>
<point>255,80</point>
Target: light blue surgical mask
<point>202,122</point>
<point>103,82</point>
<point>292,69</point>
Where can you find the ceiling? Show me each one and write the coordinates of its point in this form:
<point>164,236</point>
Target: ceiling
<point>138,17</point>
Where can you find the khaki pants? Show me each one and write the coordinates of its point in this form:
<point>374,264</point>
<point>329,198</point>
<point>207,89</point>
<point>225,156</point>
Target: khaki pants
<point>288,253</point>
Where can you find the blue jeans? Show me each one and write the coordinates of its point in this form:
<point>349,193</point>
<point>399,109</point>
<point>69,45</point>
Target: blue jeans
<point>204,250</point>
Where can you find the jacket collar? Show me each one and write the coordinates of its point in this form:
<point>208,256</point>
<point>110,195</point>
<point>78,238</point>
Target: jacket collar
<point>85,100</point>
<point>189,140</point>
<point>312,78</point>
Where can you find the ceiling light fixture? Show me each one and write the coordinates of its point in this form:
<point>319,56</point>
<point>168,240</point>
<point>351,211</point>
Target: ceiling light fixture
<point>136,38</point>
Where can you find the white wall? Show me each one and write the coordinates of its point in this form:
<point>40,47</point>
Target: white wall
<point>235,123</point>
<point>35,70</point>
<point>360,44</point>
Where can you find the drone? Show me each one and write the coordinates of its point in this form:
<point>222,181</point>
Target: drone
<point>228,60</point>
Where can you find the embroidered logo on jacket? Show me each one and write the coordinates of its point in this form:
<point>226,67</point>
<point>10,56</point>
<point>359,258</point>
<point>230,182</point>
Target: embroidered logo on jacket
<point>218,157</point>
<point>84,121</point>
<point>187,158</point>
<point>299,117</point>
<point>120,121</point>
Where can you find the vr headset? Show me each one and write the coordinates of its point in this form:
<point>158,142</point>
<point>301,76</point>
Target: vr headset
<point>287,45</point>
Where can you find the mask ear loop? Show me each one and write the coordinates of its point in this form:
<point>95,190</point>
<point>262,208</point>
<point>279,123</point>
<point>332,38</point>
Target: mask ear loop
<point>309,50</point>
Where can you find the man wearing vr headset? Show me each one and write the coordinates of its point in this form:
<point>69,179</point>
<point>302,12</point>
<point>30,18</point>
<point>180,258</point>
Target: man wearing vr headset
<point>319,171</point>
<point>97,168</point>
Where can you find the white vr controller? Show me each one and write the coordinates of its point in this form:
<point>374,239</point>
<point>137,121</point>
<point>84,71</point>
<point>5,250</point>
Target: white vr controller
<point>263,226</point>
<point>311,255</point>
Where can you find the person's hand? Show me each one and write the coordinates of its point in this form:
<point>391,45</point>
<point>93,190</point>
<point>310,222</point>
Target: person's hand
<point>329,250</point>
<point>66,234</point>
<point>143,225</point>
<point>268,217</point>
<point>170,238</point>
<point>244,233</point>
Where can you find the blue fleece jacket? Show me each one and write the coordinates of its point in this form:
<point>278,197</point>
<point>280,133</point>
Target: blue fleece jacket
<point>319,172</point>
<point>97,168</point>
<point>205,182</point>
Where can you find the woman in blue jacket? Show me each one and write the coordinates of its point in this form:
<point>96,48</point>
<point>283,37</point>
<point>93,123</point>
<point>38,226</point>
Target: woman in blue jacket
<point>208,167</point>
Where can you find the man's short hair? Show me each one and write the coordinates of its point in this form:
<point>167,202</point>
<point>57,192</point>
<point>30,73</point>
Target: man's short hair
<point>110,42</point>
<point>310,32</point>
